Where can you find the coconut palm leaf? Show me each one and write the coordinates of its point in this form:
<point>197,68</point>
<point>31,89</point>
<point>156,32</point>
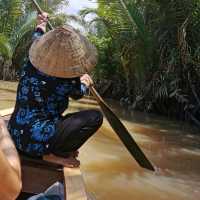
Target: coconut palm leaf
<point>125,23</point>
<point>8,45</point>
<point>10,11</point>
<point>5,47</point>
<point>125,15</point>
<point>24,25</point>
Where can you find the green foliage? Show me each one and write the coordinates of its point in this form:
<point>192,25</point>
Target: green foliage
<point>17,21</point>
<point>10,11</point>
<point>149,50</point>
<point>5,48</point>
<point>156,45</point>
<point>108,62</point>
<point>50,6</point>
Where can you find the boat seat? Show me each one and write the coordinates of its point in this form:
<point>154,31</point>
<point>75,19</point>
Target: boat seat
<point>38,175</point>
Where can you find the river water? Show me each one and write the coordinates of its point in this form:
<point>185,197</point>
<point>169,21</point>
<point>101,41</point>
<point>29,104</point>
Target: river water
<point>111,173</point>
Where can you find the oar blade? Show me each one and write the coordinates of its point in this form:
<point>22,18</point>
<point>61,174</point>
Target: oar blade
<point>126,138</point>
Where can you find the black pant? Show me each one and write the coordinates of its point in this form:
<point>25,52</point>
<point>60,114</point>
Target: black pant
<point>74,130</point>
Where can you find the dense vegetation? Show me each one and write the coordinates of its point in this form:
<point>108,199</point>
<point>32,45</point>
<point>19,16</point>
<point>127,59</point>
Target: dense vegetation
<point>149,50</point>
<point>17,22</point>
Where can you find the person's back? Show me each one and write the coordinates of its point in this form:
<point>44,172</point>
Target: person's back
<point>37,125</point>
<point>10,170</point>
<point>41,100</point>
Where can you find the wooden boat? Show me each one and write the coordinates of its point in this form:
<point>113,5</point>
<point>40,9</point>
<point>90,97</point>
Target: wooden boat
<point>38,175</point>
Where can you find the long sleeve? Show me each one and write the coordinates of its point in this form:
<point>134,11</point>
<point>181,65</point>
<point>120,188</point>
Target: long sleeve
<point>37,34</point>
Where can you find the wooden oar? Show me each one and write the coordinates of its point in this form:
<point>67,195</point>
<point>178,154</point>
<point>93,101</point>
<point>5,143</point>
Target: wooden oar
<point>41,11</point>
<point>115,123</point>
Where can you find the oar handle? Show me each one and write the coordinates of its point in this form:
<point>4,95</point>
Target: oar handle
<point>41,11</point>
<point>96,95</point>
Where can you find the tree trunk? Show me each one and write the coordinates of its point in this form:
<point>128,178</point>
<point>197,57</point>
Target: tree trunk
<point>6,72</point>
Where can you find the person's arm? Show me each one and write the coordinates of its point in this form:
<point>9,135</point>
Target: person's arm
<point>41,26</point>
<point>10,169</point>
<point>80,87</point>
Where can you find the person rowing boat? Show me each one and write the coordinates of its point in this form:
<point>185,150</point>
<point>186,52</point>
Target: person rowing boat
<point>53,73</point>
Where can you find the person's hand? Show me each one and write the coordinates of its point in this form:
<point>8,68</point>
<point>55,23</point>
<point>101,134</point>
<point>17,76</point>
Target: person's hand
<point>42,20</point>
<point>86,79</point>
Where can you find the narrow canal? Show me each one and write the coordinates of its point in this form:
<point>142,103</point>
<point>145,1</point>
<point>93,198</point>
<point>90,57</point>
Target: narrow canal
<point>110,172</point>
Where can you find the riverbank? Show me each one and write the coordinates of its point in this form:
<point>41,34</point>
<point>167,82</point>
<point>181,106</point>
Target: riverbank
<point>8,95</point>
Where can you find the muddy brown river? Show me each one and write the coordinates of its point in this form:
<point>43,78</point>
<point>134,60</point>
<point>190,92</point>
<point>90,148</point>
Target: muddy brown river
<point>111,173</point>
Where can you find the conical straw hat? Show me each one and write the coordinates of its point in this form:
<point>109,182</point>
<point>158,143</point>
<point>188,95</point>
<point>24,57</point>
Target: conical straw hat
<point>64,53</point>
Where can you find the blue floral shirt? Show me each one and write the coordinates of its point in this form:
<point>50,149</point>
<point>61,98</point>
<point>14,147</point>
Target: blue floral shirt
<point>41,99</point>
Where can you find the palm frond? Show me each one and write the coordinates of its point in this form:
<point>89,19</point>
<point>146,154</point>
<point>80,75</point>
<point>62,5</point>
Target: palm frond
<point>5,48</point>
<point>10,12</point>
<point>125,14</point>
<point>84,12</point>
<point>24,25</point>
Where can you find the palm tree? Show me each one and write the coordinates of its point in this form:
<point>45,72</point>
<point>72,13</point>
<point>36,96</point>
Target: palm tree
<point>158,44</point>
<point>14,24</point>
<point>17,19</point>
<point>125,24</point>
